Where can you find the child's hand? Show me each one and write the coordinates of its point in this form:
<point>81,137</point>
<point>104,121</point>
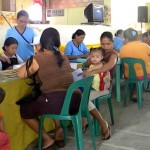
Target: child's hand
<point>86,73</point>
<point>4,59</point>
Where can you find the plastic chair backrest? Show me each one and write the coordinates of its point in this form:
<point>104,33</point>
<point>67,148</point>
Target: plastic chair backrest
<point>84,83</point>
<point>132,73</point>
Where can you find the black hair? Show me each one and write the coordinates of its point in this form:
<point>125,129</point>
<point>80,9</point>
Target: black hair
<point>120,31</point>
<point>97,49</point>
<point>131,34</point>
<point>108,35</point>
<point>78,33</point>
<point>9,41</point>
<point>22,13</point>
<point>145,34</point>
<point>2,94</point>
<point>50,40</point>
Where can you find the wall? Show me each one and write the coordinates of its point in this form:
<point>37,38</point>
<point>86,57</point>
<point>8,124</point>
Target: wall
<point>73,3</point>
<point>0,5</point>
<point>73,11</point>
<point>72,16</point>
<point>23,4</point>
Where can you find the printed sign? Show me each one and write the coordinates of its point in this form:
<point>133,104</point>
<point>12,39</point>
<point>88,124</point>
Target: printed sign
<point>55,12</point>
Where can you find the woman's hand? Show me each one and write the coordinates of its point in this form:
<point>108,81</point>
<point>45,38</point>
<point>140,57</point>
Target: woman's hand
<point>87,73</point>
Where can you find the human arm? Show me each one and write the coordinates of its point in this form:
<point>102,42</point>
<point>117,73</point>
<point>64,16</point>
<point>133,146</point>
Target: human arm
<point>79,56</point>
<point>106,67</point>
<point>22,73</point>
<point>95,67</point>
<point>4,59</point>
<point>73,52</point>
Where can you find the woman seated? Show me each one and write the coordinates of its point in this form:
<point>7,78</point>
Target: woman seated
<point>10,47</point>
<point>55,75</point>
<point>76,48</point>
<point>135,49</point>
<point>118,40</point>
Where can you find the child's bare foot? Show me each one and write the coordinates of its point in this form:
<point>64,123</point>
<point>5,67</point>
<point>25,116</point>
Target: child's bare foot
<point>47,142</point>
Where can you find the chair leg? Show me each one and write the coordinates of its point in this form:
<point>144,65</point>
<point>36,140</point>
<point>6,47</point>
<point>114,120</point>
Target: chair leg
<point>126,92</point>
<point>139,93</point>
<point>41,122</point>
<point>76,120</point>
<point>91,129</point>
<point>97,129</point>
<point>111,110</point>
<point>132,87</point>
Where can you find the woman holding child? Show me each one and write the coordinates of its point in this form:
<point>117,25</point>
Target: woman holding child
<point>110,56</point>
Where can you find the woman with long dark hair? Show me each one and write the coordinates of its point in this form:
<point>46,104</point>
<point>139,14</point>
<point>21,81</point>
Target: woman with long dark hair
<point>54,75</point>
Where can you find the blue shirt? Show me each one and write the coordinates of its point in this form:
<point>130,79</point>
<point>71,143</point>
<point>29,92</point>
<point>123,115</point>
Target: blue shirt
<point>24,50</point>
<point>72,49</point>
<point>118,42</point>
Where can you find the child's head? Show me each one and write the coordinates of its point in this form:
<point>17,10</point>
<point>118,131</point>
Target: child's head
<point>10,46</point>
<point>2,94</point>
<point>96,55</point>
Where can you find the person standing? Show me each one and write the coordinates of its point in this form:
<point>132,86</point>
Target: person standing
<point>23,34</point>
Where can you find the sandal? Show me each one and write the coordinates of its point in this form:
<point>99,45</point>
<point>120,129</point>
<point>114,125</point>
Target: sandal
<point>106,135</point>
<point>60,143</point>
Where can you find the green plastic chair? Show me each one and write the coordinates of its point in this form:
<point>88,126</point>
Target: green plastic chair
<point>76,119</point>
<point>132,79</point>
<point>97,101</point>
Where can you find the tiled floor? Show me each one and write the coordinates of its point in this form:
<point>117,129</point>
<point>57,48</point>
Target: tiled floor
<point>130,132</point>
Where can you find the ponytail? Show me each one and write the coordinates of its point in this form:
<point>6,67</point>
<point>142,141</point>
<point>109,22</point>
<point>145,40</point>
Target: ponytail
<point>58,56</point>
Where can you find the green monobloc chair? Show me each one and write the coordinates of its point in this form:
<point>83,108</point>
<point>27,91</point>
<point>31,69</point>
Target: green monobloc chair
<point>132,79</point>
<point>97,97</point>
<point>76,119</point>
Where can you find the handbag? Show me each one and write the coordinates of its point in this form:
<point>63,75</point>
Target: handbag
<point>36,86</point>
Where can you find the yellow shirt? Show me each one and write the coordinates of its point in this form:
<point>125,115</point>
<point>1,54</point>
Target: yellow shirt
<point>139,50</point>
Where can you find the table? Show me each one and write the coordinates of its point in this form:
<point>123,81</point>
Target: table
<point>20,134</point>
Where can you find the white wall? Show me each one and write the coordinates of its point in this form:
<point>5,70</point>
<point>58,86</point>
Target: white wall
<point>93,32</point>
<point>124,13</point>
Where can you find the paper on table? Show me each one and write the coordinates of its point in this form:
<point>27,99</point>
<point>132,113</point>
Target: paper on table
<point>77,74</point>
<point>73,65</point>
<point>18,66</point>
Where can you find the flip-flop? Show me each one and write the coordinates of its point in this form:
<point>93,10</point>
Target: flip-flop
<point>108,133</point>
<point>60,143</point>
<point>84,129</point>
<point>134,99</point>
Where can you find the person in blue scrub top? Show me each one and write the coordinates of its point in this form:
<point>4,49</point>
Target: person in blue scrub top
<point>118,40</point>
<point>76,48</point>
<point>23,34</point>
